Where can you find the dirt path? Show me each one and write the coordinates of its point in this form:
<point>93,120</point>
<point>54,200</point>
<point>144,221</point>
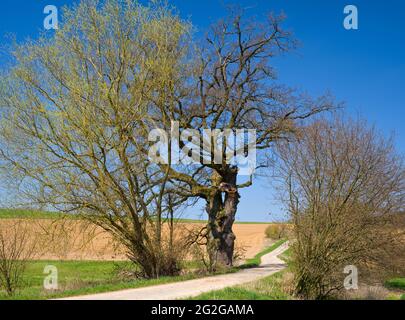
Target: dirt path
<point>191,288</point>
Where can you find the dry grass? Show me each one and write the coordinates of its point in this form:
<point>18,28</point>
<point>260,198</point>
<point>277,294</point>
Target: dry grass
<point>370,292</point>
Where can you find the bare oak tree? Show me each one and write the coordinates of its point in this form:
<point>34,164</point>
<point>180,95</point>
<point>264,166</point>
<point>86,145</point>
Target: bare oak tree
<point>345,189</point>
<point>233,86</point>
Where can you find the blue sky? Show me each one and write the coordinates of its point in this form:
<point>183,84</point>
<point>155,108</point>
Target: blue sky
<point>364,68</point>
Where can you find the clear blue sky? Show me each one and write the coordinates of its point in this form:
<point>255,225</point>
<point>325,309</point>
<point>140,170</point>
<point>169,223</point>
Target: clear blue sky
<point>364,68</point>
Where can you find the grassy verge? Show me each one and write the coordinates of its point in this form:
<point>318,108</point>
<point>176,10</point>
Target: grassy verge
<point>80,278</point>
<point>256,260</point>
<point>90,277</point>
<point>286,256</point>
<point>268,288</point>
<point>397,283</point>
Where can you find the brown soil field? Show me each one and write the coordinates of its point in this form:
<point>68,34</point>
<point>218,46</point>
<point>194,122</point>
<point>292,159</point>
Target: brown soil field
<point>77,240</point>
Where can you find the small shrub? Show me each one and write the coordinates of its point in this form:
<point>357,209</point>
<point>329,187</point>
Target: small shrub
<point>16,248</point>
<point>277,231</point>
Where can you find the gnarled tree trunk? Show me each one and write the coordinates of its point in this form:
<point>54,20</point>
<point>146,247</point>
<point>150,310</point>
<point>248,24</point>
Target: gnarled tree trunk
<point>221,209</point>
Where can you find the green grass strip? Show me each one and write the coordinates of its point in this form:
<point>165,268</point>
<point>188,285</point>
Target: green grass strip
<point>398,283</point>
<point>257,259</point>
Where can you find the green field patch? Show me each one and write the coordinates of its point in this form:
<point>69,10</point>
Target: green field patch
<point>397,283</point>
